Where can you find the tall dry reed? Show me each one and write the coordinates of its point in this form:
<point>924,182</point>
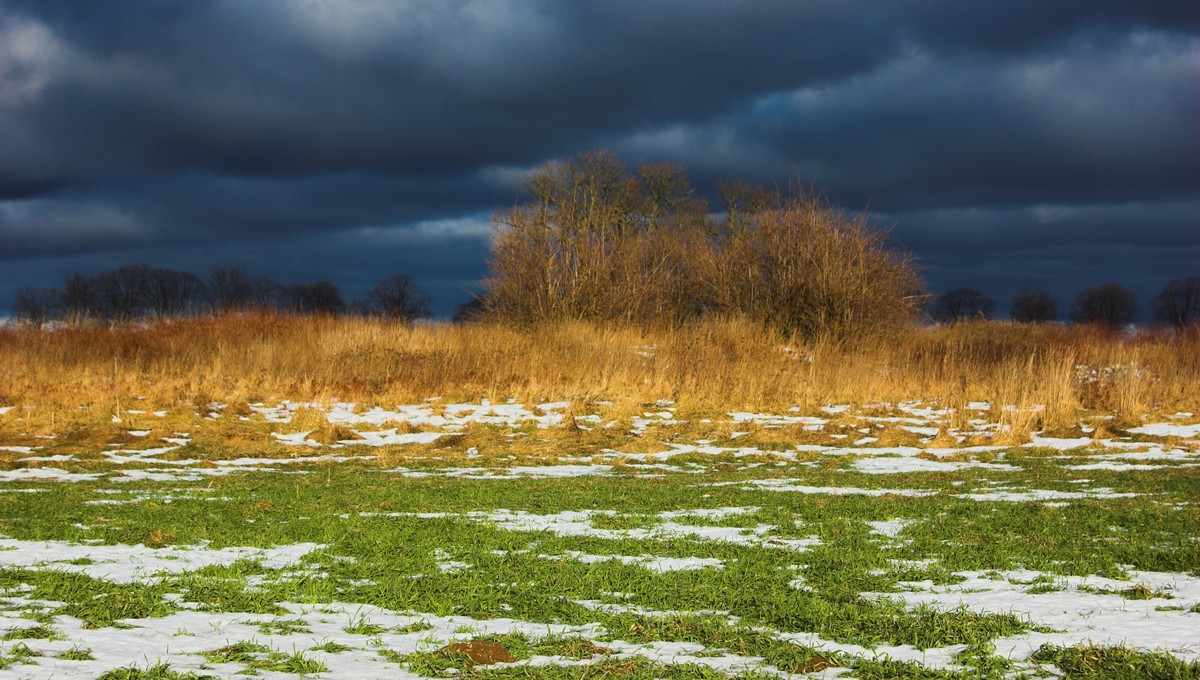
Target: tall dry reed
<point>714,365</point>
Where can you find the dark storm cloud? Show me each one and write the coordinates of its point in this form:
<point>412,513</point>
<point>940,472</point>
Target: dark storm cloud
<point>1081,124</point>
<point>207,129</point>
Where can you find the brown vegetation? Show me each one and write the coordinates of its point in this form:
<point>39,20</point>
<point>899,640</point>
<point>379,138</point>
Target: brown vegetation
<point>58,378</point>
<point>598,242</point>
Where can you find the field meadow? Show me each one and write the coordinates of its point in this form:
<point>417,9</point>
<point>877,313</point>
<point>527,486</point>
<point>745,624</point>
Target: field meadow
<point>281,497</point>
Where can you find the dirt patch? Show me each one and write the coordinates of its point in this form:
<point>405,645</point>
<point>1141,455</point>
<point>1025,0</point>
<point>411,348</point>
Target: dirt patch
<point>479,652</point>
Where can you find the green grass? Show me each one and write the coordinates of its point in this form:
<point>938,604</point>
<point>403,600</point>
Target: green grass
<point>376,553</point>
<point>1115,663</point>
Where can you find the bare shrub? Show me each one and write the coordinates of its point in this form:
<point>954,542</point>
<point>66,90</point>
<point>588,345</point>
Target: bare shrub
<point>598,242</point>
<point>809,269</point>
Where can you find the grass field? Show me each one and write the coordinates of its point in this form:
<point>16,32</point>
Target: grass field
<point>954,536</point>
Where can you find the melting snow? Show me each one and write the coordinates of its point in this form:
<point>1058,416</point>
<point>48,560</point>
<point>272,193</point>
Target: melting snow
<point>1168,430</point>
<point>137,563</point>
<point>653,563</point>
<point>1082,615</point>
<point>890,465</point>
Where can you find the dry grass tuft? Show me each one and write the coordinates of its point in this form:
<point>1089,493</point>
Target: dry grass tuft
<point>319,429</point>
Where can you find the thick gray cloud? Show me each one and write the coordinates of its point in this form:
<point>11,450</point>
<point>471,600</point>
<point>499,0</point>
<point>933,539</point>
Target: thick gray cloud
<point>309,138</point>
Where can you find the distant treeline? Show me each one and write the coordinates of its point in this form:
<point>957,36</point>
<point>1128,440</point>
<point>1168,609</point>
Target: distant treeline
<point>1109,304</point>
<point>597,241</point>
<point>143,292</point>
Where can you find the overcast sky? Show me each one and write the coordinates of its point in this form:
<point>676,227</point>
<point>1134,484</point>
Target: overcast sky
<point>1025,142</point>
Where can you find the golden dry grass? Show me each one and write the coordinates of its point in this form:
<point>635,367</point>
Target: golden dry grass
<point>81,377</point>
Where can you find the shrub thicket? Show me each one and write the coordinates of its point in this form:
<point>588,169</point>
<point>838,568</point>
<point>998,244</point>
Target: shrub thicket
<point>597,241</point>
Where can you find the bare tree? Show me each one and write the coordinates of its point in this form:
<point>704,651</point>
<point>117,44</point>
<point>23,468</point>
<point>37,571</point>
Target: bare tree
<point>321,298</point>
<point>742,200</point>
<point>229,288</point>
<point>266,294</point>
<point>173,293</point>
<point>1033,305</point>
<point>962,304</point>
<point>1109,304</point>
<point>80,299</point>
<point>398,297</point>
<point>36,306</point>
<point>124,293</point>
<point>1178,303</point>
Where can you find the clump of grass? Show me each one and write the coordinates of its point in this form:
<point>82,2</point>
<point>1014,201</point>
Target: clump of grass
<point>77,654</point>
<point>159,671</point>
<point>258,657</point>
<point>1084,662</point>
<point>320,430</point>
<point>39,632</point>
<point>283,627</point>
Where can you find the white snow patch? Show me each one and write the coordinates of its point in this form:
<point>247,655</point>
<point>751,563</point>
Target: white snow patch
<point>652,563</point>
<point>55,474</point>
<point>890,528</point>
<point>18,449</point>
<point>891,465</point>
<point>1088,611</point>
<point>137,563</point>
<point>1168,430</point>
<point>790,485</point>
<point>1043,495</point>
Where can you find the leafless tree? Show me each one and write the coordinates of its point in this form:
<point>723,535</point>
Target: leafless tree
<point>398,297</point>
<point>79,299</point>
<point>229,288</point>
<point>266,294</point>
<point>962,304</point>
<point>173,293</point>
<point>1109,304</point>
<point>1178,303</point>
<point>1033,305</point>
<point>124,293</point>
<point>320,298</point>
<point>36,306</point>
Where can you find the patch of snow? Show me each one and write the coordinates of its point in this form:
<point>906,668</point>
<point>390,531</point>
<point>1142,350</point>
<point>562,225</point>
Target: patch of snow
<point>447,565</point>
<point>1060,444</point>
<point>790,485</point>
<point>1080,613</point>
<point>1114,465</point>
<point>652,563</point>
<point>890,528</point>
<point>19,449</point>
<point>137,563</point>
<point>1168,430</point>
<point>778,420</point>
<point>889,465</point>
<point>1035,495</point>
<point>55,474</point>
